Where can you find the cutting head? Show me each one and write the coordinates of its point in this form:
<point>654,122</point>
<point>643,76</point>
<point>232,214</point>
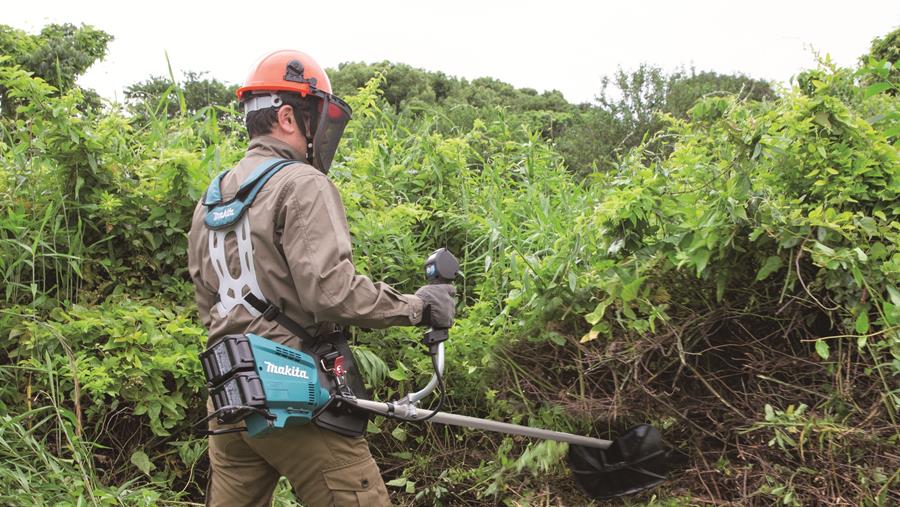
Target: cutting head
<point>635,462</point>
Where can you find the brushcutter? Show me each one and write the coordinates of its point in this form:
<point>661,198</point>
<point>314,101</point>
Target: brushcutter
<point>271,386</point>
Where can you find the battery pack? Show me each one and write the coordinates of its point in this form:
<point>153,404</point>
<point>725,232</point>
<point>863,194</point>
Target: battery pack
<point>243,389</point>
<point>226,357</point>
<point>264,383</point>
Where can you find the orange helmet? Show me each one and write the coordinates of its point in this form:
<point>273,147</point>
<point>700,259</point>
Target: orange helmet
<point>288,71</point>
<point>293,71</point>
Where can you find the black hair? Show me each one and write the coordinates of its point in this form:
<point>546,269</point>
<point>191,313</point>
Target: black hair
<point>262,121</point>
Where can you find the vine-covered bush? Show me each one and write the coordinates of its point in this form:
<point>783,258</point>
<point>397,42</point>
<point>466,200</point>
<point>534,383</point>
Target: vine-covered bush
<point>738,288</point>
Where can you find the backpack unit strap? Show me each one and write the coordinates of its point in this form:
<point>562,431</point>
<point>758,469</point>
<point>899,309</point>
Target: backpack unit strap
<point>223,214</point>
<point>224,218</point>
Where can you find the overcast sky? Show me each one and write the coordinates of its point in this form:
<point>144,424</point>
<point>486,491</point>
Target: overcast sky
<point>564,45</point>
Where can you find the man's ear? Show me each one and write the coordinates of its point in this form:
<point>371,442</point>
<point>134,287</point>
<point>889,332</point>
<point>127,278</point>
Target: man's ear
<point>285,119</point>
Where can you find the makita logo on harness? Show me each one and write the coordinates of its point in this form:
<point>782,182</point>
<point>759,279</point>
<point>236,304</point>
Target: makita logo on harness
<point>219,215</point>
<point>290,371</point>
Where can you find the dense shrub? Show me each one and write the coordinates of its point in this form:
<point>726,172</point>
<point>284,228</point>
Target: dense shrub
<point>736,285</point>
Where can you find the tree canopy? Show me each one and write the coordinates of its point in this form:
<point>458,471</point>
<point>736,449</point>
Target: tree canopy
<point>59,54</point>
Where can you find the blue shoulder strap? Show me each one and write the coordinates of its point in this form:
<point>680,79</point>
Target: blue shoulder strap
<point>219,214</point>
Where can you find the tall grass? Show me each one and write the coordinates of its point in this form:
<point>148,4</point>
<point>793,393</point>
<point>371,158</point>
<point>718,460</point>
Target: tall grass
<point>46,462</point>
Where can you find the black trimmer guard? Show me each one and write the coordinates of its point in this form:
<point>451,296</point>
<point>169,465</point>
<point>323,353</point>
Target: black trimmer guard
<point>636,461</point>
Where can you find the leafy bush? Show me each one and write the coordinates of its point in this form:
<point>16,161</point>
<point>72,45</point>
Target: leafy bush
<point>121,352</point>
<point>733,279</point>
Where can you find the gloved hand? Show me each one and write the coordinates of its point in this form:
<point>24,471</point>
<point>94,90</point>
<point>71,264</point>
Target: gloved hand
<point>440,307</point>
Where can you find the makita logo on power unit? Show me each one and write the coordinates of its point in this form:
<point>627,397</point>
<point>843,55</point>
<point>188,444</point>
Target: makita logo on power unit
<point>290,371</point>
<point>219,215</point>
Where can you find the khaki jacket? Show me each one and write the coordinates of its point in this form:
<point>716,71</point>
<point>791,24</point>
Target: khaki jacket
<point>301,253</point>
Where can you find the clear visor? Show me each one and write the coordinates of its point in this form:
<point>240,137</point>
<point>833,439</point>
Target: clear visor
<point>333,117</point>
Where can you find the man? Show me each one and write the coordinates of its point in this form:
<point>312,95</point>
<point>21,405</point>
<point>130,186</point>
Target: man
<point>279,260</point>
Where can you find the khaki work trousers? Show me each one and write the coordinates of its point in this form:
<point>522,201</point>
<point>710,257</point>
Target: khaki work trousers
<point>323,467</point>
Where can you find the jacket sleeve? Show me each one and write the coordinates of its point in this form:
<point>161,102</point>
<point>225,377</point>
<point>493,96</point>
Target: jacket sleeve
<point>316,244</point>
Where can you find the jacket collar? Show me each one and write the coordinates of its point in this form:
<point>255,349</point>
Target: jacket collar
<point>268,146</point>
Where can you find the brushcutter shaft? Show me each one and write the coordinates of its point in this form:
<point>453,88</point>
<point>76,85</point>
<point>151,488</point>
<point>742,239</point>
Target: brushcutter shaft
<point>411,413</point>
<point>442,267</point>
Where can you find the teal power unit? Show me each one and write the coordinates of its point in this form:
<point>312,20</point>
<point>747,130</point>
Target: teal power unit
<point>266,384</point>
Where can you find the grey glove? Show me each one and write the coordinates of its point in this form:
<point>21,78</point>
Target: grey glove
<point>439,308</point>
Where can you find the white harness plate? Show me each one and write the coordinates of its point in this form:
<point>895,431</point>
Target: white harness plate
<point>232,290</point>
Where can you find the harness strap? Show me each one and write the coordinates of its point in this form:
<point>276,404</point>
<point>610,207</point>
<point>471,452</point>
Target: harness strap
<point>224,218</point>
<point>271,312</point>
<point>221,214</point>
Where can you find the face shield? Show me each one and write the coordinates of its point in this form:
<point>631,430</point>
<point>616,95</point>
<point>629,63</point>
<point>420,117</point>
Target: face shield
<point>333,115</point>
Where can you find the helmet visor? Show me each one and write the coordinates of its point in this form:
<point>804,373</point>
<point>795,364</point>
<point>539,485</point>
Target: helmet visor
<point>333,118</point>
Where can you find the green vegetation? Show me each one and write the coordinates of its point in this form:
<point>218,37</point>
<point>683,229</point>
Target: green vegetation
<point>587,136</point>
<point>696,252</point>
<point>159,95</point>
<point>58,55</point>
